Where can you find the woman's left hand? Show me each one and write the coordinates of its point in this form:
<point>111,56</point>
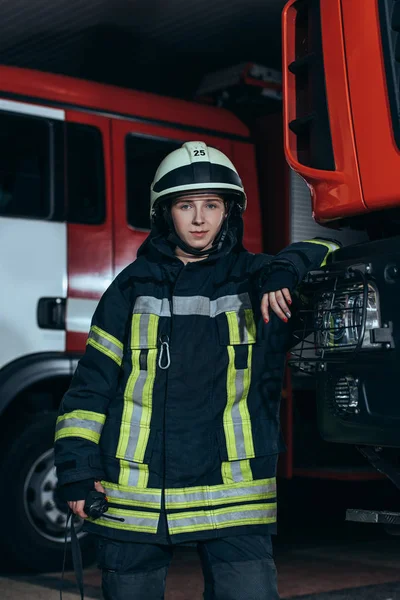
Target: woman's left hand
<point>278,301</point>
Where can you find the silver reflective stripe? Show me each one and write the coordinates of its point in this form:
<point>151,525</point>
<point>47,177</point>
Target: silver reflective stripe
<point>137,400</point>
<point>80,423</point>
<point>220,494</point>
<point>223,517</point>
<point>103,341</point>
<point>237,417</point>
<point>125,495</point>
<point>144,330</point>
<point>203,306</point>
<point>234,303</point>
<point>236,471</point>
<point>134,473</point>
<point>133,520</point>
<point>192,305</point>
<point>150,305</point>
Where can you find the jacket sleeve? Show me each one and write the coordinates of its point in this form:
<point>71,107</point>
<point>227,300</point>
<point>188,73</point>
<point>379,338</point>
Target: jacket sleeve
<point>289,267</point>
<point>83,409</point>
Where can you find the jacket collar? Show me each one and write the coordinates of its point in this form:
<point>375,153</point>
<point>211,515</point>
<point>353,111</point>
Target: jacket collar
<point>157,246</point>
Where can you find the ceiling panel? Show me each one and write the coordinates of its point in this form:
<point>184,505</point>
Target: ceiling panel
<point>163,46</point>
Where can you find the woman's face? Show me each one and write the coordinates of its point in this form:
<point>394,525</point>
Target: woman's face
<point>198,219</point>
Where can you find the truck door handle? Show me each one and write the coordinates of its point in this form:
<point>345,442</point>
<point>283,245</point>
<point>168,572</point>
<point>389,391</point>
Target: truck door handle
<point>51,313</point>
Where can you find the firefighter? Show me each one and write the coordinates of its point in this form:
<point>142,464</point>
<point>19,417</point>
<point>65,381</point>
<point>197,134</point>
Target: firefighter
<point>173,410</point>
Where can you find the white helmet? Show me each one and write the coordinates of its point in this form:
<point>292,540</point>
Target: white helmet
<point>196,167</point>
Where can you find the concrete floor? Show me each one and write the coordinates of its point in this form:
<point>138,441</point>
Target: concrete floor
<point>356,571</point>
<point>319,556</point>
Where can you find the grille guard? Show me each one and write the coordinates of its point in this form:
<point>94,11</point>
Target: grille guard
<point>309,354</point>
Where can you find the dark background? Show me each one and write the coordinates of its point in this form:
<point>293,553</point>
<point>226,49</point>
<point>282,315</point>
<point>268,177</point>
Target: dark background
<point>162,46</point>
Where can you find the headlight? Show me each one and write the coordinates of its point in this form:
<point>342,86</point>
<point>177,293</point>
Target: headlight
<point>340,316</point>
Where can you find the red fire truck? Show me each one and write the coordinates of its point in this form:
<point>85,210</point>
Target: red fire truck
<point>341,71</point>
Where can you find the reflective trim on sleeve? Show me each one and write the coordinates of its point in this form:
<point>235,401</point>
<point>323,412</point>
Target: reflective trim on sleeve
<point>134,520</point>
<point>246,514</point>
<point>80,423</point>
<point>138,394</point>
<point>106,343</point>
<point>212,495</point>
<point>330,246</point>
<point>237,423</point>
<point>133,496</point>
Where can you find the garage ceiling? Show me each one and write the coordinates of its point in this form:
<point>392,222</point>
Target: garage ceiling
<point>163,46</point>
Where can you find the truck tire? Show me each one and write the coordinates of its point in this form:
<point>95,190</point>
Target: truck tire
<point>33,523</point>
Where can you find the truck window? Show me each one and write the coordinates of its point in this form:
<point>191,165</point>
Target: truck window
<point>143,155</point>
<point>24,166</point>
<point>85,175</point>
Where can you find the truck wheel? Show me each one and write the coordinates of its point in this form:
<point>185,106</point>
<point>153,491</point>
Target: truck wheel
<point>34,519</point>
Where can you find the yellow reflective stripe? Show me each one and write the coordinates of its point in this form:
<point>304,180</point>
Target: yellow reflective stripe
<point>153,331</point>
<point>106,351</point>
<point>330,246</point>
<point>135,331</point>
<point>213,495</point>
<point>147,406</point>
<point>237,423</point>
<point>226,472</point>
<point>83,414</point>
<point>133,474</point>
<point>235,471</point>
<point>80,423</point>
<point>250,326</point>
<point>134,520</point>
<point>247,514</point>
<point>138,394</point>
<point>228,421</point>
<point>147,397</point>
<point>133,496</point>
<point>246,470</point>
<point>233,325</point>
<point>107,336</point>
<point>244,409</point>
<point>128,405</point>
<point>78,432</point>
<point>106,343</point>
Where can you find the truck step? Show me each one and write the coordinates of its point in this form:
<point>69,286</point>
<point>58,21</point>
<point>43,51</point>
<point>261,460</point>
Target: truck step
<point>373,516</point>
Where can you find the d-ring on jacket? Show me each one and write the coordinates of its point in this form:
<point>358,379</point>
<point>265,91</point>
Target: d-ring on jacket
<point>175,404</point>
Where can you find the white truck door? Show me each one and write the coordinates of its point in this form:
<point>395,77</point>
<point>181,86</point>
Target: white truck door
<point>33,245</point>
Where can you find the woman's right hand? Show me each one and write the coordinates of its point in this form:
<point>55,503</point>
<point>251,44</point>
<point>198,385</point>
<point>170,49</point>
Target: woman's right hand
<point>77,507</point>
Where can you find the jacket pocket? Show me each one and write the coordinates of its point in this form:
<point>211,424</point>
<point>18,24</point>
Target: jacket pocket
<point>265,440</point>
<point>144,331</point>
<point>237,332</point>
<point>237,327</point>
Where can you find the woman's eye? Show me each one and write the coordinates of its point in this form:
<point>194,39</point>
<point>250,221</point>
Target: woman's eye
<point>211,205</point>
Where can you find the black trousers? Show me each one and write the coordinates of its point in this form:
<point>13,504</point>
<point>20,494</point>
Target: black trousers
<point>234,568</point>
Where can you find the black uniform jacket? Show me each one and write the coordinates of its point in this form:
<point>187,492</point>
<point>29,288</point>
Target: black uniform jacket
<point>175,404</point>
